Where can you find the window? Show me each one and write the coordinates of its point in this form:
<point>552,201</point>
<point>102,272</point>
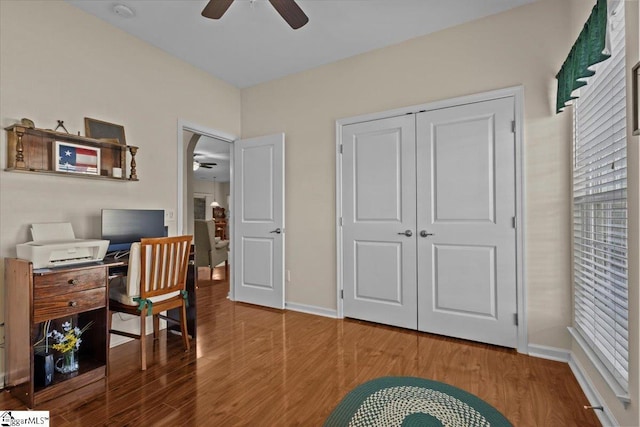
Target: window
<point>199,208</point>
<point>600,211</point>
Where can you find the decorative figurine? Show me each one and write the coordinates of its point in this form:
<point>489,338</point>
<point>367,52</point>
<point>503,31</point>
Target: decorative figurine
<point>61,125</point>
<point>28,123</point>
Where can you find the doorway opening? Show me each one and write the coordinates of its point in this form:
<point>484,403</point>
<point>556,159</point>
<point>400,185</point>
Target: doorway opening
<point>205,191</point>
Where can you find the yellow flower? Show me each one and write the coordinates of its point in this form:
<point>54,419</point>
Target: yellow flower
<point>67,344</point>
<point>69,341</point>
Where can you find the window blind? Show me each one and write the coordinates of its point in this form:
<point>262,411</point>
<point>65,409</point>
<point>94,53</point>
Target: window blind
<point>600,208</point>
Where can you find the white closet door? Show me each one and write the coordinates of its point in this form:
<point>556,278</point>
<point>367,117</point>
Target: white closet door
<point>466,206</point>
<point>379,199</point>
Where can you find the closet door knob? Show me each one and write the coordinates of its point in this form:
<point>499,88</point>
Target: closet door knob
<point>407,233</point>
<point>424,233</point>
<point>277,231</point>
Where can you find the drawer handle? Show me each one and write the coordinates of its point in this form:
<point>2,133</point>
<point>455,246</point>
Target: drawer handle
<point>73,282</point>
<point>73,303</point>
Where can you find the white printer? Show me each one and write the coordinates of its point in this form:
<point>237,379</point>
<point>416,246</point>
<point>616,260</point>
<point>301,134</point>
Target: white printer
<point>55,244</point>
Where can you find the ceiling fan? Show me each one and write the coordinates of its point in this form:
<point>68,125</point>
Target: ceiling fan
<point>288,9</point>
<point>198,164</point>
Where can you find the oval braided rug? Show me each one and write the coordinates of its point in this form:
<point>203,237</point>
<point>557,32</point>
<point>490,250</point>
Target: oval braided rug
<point>409,402</point>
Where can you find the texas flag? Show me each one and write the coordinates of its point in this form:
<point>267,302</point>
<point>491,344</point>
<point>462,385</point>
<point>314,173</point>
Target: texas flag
<point>77,159</point>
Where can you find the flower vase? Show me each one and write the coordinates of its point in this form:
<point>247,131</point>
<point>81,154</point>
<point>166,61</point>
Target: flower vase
<point>67,363</point>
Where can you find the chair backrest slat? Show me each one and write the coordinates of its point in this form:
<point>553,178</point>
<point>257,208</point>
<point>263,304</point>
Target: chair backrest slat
<point>164,264</point>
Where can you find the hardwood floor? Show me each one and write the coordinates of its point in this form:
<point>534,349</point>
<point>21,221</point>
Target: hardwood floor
<point>262,367</point>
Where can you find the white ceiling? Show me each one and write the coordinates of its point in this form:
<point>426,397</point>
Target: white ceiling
<point>252,44</point>
<point>211,150</point>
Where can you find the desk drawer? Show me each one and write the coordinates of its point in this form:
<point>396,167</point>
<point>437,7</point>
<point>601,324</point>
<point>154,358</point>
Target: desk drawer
<point>64,282</point>
<point>67,304</point>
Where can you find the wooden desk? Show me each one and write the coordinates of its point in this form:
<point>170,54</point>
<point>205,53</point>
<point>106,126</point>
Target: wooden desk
<point>76,293</point>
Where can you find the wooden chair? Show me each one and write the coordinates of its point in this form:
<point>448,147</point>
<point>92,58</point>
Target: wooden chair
<point>155,282</point>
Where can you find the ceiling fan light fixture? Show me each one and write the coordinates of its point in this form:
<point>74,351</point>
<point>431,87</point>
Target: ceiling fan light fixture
<point>196,165</point>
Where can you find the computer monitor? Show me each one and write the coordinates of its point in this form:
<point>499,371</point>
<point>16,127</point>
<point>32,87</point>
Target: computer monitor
<point>122,227</point>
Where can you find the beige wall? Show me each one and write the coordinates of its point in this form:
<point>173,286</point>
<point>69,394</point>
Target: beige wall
<point>61,63</point>
<point>219,190</point>
<point>524,46</point>
<point>58,62</point>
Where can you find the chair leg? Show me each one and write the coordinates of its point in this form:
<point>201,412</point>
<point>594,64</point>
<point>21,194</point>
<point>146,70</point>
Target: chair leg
<point>156,326</point>
<point>143,342</point>
<point>183,328</point>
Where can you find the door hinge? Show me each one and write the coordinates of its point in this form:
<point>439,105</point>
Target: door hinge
<point>514,222</point>
<point>340,221</point>
<point>513,126</point>
<point>515,318</point>
<point>341,293</point>
<point>340,148</point>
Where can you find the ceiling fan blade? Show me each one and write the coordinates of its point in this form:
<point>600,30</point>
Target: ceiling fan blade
<point>216,8</point>
<point>291,12</point>
<point>205,166</point>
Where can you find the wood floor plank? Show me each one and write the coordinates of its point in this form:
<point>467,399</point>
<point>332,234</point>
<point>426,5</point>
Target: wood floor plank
<point>253,366</point>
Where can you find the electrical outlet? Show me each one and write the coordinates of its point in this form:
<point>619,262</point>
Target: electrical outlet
<point>288,275</point>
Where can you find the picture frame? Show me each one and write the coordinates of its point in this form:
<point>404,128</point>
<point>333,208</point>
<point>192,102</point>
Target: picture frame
<point>635,101</point>
<point>98,129</point>
<point>76,159</point>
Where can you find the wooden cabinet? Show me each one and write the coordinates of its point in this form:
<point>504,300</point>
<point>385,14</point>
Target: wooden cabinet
<point>220,219</point>
<point>34,151</point>
<point>221,228</point>
<point>33,297</point>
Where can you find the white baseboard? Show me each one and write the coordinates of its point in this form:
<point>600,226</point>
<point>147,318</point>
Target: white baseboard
<point>592,394</point>
<point>311,309</point>
<point>550,353</point>
<point>562,355</point>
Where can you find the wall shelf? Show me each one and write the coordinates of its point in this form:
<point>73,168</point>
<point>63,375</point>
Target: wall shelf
<point>32,150</point>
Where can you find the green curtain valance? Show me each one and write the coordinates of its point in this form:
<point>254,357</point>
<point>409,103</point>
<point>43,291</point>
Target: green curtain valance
<point>589,49</point>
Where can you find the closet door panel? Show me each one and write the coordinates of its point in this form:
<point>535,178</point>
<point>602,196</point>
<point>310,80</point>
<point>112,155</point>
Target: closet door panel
<point>379,196</point>
<point>466,205</point>
<point>463,186</point>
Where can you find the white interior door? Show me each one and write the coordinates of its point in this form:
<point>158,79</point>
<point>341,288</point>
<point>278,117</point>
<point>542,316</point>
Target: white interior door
<point>379,276</point>
<point>258,219</point>
<point>466,213</point>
